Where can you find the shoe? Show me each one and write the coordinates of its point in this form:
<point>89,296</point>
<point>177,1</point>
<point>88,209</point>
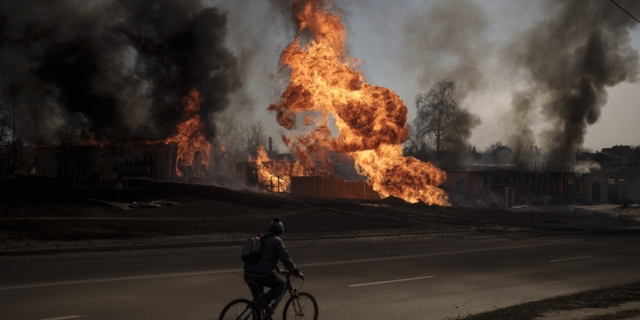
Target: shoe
<point>264,306</point>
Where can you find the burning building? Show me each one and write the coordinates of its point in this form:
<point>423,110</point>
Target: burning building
<point>288,175</point>
<point>109,82</point>
<point>185,156</point>
<point>160,161</point>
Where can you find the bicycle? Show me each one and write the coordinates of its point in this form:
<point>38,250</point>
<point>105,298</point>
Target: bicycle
<point>300,305</point>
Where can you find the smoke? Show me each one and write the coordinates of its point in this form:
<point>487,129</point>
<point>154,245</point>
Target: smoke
<point>258,32</point>
<point>115,68</point>
<point>449,41</point>
<point>570,58</point>
<point>520,136</point>
<point>584,167</point>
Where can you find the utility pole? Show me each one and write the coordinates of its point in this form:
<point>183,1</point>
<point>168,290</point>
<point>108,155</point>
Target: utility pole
<point>35,105</point>
<point>13,145</point>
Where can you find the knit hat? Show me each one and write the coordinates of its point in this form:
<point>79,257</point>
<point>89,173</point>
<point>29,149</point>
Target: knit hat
<point>276,226</point>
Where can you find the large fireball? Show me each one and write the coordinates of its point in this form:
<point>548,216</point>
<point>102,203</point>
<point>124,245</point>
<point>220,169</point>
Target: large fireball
<point>371,120</point>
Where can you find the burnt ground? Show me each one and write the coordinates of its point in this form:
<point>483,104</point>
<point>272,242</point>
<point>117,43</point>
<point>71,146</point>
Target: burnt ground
<point>51,209</point>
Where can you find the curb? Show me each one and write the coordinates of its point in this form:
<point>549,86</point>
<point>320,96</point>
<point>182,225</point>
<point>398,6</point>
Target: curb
<point>532,225</point>
<point>224,243</point>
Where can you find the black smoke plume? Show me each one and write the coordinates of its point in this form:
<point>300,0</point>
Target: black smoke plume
<point>117,68</point>
<point>571,56</point>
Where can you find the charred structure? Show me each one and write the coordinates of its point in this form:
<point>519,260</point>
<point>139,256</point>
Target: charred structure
<point>609,176</point>
<point>156,161</point>
<point>622,167</point>
<point>318,181</point>
<point>531,183</point>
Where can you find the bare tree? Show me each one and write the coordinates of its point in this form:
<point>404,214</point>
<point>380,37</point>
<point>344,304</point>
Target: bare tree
<point>493,147</point>
<point>238,139</point>
<point>440,123</point>
<point>256,137</point>
<point>70,148</point>
<point>228,133</point>
<point>416,146</point>
<point>11,150</point>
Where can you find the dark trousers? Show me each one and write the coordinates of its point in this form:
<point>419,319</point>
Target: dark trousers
<point>256,285</point>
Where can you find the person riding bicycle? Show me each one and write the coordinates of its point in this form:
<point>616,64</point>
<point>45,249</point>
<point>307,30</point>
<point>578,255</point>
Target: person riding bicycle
<point>265,273</point>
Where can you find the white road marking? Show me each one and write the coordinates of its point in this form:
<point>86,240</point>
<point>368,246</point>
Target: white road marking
<point>567,259</point>
<point>412,256</point>
<point>63,318</point>
<point>388,281</point>
<point>317,264</point>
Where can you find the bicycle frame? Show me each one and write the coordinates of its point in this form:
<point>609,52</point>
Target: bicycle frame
<point>292,292</point>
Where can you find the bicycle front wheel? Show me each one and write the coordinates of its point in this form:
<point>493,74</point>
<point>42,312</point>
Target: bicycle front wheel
<point>302,307</point>
<point>239,309</point>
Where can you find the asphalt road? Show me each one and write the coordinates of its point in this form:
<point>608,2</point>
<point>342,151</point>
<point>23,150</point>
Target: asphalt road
<point>421,277</point>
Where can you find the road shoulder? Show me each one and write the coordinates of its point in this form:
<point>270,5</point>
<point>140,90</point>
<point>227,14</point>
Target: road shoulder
<point>620,302</point>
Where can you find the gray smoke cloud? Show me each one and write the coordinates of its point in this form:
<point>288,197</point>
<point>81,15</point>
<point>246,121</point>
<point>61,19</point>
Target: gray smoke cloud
<point>570,58</point>
<point>115,68</point>
<point>520,136</point>
<point>258,32</point>
<point>449,41</point>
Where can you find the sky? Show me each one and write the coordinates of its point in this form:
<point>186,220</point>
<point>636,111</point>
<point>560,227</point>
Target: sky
<point>391,57</point>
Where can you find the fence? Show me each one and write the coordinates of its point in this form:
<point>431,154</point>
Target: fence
<point>318,186</point>
<point>125,177</point>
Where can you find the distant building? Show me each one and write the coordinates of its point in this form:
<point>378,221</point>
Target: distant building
<point>621,165</point>
<point>532,183</point>
<point>621,151</point>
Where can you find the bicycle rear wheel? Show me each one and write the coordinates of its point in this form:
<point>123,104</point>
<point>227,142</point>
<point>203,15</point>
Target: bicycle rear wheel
<point>302,307</point>
<point>239,309</point>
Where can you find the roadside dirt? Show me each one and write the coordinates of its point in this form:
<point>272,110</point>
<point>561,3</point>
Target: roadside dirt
<point>41,211</point>
<point>621,302</point>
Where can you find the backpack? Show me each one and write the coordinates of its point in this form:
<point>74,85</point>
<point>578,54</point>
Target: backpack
<point>252,249</point>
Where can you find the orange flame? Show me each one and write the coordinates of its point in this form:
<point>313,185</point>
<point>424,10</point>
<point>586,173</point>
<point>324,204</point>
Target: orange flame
<point>274,174</point>
<point>89,141</point>
<point>371,120</point>
<point>189,136</point>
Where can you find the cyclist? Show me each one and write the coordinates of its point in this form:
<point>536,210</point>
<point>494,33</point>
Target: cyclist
<point>265,273</point>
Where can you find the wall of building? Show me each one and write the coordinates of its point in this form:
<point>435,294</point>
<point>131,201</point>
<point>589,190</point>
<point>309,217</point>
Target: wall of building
<point>489,188</point>
<point>65,161</point>
<point>317,186</point>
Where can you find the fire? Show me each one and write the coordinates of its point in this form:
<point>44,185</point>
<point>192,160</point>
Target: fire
<point>91,141</point>
<point>274,174</point>
<point>189,135</point>
<point>371,120</point>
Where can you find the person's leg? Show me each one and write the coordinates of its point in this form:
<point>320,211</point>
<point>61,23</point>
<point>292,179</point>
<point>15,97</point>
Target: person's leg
<point>277,285</point>
<point>254,286</point>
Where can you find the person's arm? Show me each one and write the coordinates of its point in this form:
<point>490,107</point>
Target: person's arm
<point>282,254</point>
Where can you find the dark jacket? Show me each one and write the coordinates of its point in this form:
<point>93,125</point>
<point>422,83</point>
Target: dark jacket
<point>272,250</point>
